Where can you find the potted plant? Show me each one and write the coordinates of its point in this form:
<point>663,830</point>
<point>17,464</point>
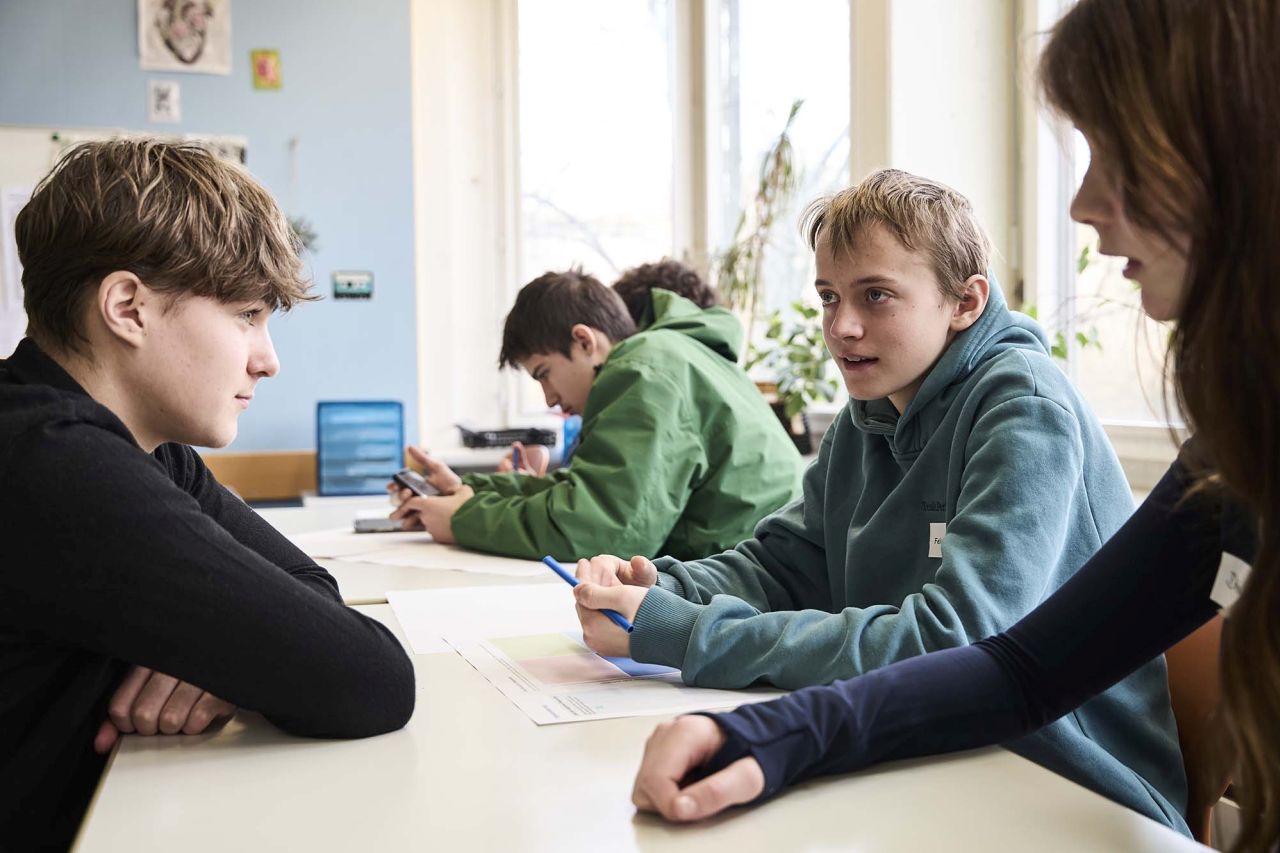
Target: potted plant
<point>794,355</point>
<point>738,270</point>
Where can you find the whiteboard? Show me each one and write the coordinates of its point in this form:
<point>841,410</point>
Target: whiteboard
<point>26,155</point>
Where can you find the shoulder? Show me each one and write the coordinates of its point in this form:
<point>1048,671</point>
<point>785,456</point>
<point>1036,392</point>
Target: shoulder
<point>1027,378</point>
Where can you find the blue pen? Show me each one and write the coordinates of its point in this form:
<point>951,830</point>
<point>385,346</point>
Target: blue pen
<point>515,459</point>
<point>614,616</point>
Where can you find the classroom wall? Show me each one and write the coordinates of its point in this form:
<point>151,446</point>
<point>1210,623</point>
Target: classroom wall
<point>333,145</point>
<point>953,90</point>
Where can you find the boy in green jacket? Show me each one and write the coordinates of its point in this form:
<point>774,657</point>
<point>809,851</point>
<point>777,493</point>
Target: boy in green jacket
<point>678,454</point>
<point>965,481</point>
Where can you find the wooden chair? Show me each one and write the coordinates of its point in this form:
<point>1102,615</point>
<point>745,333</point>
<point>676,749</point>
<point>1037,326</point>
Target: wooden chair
<point>1194,688</point>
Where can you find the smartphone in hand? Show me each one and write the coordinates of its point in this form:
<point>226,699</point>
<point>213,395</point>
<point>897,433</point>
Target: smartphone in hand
<point>407,478</point>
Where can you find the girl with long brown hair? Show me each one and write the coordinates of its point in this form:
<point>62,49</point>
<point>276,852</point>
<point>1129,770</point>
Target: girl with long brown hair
<point>1180,103</point>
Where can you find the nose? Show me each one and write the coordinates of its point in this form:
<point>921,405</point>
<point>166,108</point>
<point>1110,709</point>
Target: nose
<point>1095,202</point>
<point>845,324</point>
<point>263,362</point>
<point>550,396</point>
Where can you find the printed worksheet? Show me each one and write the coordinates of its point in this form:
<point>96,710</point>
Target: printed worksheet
<point>414,549</point>
<point>554,678</point>
<point>427,615</point>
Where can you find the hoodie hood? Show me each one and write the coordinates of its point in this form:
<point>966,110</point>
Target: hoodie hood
<point>996,331</point>
<point>715,328</point>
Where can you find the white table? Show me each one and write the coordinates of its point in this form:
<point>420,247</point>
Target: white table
<point>470,772</point>
<point>369,583</point>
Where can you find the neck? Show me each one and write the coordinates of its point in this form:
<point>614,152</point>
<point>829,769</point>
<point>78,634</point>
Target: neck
<point>106,387</point>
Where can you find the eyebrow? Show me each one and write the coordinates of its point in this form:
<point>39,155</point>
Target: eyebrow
<point>861,282</point>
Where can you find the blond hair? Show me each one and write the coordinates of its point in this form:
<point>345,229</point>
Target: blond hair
<point>924,215</point>
<point>183,221</point>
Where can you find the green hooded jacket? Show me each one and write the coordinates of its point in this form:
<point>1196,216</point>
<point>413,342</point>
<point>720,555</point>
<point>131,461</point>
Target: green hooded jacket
<point>679,454</point>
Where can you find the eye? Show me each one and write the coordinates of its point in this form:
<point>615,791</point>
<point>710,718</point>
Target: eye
<point>827,297</point>
<point>876,296</point>
<point>250,315</point>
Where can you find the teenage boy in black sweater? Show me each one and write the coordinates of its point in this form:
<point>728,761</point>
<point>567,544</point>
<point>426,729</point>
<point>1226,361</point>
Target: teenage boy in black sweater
<point>136,593</point>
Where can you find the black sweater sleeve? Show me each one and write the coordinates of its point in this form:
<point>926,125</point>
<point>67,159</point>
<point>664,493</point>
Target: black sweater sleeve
<point>189,472</point>
<point>120,557</point>
<point>1143,591</point>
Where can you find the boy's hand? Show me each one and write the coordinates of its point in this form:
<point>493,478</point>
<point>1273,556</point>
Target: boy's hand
<point>608,570</point>
<point>148,702</point>
<point>434,514</point>
<point>439,475</point>
<point>601,635</point>
<point>534,460</point>
<point>672,751</point>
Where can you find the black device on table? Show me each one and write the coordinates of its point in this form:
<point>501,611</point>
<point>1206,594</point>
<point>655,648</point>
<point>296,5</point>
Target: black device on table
<point>405,478</point>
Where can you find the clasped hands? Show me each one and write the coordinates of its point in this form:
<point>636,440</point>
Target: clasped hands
<point>676,748</point>
<point>149,703</point>
<point>435,514</point>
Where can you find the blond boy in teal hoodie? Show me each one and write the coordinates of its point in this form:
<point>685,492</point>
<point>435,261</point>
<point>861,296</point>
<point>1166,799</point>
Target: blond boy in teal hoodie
<point>964,482</point>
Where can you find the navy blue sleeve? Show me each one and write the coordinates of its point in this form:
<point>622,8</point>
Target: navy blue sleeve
<point>1147,588</point>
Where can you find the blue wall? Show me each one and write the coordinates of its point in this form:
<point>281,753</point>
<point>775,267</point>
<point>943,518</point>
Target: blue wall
<point>346,100</point>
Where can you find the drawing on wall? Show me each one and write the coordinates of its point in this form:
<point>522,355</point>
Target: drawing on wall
<point>185,35</point>
<point>164,103</point>
<point>233,149</point>
<point>266,68</point>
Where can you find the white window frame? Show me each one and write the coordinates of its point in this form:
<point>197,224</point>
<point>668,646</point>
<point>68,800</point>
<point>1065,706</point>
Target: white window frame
<point>1048,244</point>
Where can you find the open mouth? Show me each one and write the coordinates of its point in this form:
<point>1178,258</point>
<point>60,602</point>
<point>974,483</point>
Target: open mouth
<point>856,362</point>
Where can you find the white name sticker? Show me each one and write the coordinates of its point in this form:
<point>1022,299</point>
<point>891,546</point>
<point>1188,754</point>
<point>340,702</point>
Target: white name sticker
<point>937,532</point>
<point>1232,573</point>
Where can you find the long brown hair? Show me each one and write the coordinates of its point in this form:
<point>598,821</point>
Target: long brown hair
<point>1185,96</point>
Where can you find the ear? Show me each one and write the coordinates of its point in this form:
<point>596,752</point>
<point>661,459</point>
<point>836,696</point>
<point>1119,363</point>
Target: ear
<point>973,301</point>
<point>584,337</point>
<point>124,306</point>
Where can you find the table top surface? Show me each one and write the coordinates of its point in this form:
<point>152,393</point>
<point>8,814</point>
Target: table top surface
<point>472,772</point>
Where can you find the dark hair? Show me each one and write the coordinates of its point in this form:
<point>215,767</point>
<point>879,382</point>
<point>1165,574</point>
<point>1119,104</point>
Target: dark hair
<point>1184,97</point>
<point>174,215</point>
<point>635,284</point>
<point>548,308</point>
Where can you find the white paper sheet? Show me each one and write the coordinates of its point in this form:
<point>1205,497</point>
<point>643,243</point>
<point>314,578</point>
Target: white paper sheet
<point>343,541</point>
<point>418,555</point>
<point>553,678</point>
<point>414,549</point>
<point>474,612</point>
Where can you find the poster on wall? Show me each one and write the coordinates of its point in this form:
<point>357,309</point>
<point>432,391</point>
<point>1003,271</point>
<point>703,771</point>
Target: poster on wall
<point>13,321</point>
<point>233,149</point>
<point>265,65</point>
<point>185,35</point>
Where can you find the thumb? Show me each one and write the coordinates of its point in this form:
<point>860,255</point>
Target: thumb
<point>740,782</point>
<point>593,596</point>
<point>639,572</point>
<point>106,737</point>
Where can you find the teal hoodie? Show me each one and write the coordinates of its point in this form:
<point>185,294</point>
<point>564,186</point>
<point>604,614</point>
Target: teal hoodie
<point>925,531</point>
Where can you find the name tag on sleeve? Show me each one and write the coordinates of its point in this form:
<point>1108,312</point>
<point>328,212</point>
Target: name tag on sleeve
<point>1227,586</point>
<point>937,532</point>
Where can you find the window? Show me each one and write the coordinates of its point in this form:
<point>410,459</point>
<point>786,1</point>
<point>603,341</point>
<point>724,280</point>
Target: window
<point>595,135</point>
<point>767,56</point>
<point>1120,369</point>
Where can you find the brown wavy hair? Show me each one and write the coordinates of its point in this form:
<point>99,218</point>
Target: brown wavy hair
<point>1185,94</point>
<point>183,221</point>
<point>635,285</point>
